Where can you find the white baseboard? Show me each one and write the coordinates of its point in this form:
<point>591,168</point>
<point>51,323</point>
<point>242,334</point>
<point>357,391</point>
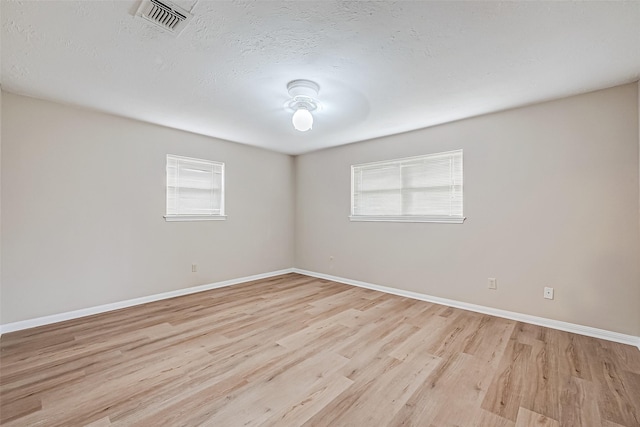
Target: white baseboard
<point>55,318</point>
<point>540,321</point>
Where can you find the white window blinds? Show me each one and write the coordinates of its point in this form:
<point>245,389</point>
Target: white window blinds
<point>195,189</point>
<point>421,189</point>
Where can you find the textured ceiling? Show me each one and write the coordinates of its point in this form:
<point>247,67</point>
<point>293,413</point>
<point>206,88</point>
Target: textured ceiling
<point>383,67</point>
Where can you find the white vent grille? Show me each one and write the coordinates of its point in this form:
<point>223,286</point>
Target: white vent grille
<point>164,14</point>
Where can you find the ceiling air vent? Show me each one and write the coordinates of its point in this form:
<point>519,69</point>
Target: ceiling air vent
<point>165,15</point>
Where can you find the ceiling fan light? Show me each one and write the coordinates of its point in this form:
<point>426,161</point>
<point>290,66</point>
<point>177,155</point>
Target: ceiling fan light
<point>302,102</point>
<point>302,120</point>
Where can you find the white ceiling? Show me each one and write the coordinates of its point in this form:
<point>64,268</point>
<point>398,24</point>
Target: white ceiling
<point>383,67</point>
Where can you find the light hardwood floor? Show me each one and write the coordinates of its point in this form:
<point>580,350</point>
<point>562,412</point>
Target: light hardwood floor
<point>295,350</point>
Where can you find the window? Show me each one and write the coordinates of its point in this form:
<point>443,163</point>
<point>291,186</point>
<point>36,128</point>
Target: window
<point>415,189</point>
<point>195,189</point>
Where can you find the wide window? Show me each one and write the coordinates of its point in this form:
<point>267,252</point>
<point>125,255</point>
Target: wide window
<point>416,189</point>
<point>195,189</point>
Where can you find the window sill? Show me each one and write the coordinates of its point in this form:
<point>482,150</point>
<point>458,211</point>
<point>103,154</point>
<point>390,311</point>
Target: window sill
<point>172,218</point>
<point>388,218</point>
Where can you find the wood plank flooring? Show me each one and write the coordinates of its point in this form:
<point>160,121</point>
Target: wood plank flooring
<point>299,351</point>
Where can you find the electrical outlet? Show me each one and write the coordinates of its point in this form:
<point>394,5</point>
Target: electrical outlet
<point>194,268</point>
<point>493,283</point>
<point>548,293</point>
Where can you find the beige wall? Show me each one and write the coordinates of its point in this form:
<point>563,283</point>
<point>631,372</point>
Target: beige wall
<point>0,205</point>
<point>551,199</point>
<point>82,203</point>
<point>551,196</point>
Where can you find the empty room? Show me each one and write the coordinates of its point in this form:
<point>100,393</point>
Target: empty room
<point>319,213</point>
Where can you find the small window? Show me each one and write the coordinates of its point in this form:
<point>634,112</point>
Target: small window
<point>415,189</point>
<point>195,189</point>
